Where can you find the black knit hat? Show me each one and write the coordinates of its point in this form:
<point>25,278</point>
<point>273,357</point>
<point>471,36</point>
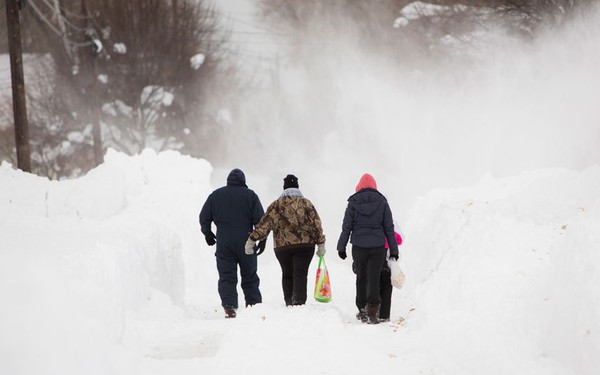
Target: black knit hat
<point>290,181</point>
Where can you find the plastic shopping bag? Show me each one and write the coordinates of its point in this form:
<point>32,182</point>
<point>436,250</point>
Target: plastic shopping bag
<point>397,275</point>
<point>322,285</point>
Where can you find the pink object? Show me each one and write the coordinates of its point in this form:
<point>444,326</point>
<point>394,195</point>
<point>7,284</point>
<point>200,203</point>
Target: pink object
<point>398,240</point>
<point>366,181</point>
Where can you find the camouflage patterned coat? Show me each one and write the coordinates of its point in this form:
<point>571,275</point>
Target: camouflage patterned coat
<point>293,220</point>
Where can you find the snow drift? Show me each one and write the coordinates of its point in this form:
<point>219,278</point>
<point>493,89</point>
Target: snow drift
<point>109,274</point>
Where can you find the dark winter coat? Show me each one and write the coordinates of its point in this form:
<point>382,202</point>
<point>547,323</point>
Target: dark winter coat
<point>234,209</point>
<point>368,222</point>
<point>294,221</point>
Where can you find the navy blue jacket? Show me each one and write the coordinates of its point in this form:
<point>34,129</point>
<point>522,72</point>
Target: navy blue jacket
<point>368,220</point>
<point>234,209</point>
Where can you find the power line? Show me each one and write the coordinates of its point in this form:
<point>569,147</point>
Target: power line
<point>73,14</point>
<point>260,33</point>
<point>61,17</point>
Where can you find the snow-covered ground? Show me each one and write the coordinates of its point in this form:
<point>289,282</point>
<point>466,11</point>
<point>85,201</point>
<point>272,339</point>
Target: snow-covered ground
<point>109,274</point>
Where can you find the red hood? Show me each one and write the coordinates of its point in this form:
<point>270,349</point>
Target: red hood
<point>366,181</point>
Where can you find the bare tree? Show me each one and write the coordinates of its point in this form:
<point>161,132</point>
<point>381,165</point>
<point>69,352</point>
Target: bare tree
<point>166,56</point>
<point>130,75</point>
<point>528,17</point>
<point>144,62</point>
<point>378,27</point>
<point>47,135</point>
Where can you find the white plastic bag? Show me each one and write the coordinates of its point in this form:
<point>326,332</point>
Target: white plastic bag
<point>397,275</point>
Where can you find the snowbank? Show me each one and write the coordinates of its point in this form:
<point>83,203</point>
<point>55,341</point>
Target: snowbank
<point>507,271</point>
<point>80,258</point>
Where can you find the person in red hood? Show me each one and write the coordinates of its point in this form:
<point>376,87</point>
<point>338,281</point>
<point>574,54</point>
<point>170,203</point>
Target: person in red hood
<point>368,224</point>
<point>385,284</point>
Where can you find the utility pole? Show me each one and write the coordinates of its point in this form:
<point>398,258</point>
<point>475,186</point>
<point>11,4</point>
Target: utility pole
<point>18,86</point>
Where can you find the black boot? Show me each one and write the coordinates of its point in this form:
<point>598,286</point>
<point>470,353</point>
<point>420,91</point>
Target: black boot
<point>373,313</point>
<point>229,312</point>
<point>362,315</point>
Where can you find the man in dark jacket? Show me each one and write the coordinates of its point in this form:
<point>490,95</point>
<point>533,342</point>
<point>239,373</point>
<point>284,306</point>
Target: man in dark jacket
<point>235,210</point>
<point>368,219</point>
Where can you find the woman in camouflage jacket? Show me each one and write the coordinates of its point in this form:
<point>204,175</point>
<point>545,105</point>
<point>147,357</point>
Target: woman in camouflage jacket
<point>296,227</point>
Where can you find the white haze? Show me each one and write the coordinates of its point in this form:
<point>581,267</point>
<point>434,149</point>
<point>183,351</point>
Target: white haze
<point>512,106</point>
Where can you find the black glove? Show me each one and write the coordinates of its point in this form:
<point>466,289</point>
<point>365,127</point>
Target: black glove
<point>210,238</point>
<point>394,256</point>
<point>342,254</point>
<point>260,246</point>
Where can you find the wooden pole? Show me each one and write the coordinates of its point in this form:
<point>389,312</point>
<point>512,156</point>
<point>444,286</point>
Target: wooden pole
<point>18,86</point>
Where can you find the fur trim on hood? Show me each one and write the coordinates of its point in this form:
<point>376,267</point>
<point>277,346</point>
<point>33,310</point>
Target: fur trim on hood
<point>292,192</point>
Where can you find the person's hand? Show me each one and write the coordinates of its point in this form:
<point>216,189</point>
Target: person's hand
<point>342,254</point>
<point>210,238</point>
<point>249,247</point>
<point>321,249</point>
<point>395,257</point>
<point>260,246</point>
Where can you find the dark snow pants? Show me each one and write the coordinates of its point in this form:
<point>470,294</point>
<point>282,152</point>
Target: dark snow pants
<point>229,256</point>
<point>385,291</point>
<point>369,263</point>
<point>294,273</point>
